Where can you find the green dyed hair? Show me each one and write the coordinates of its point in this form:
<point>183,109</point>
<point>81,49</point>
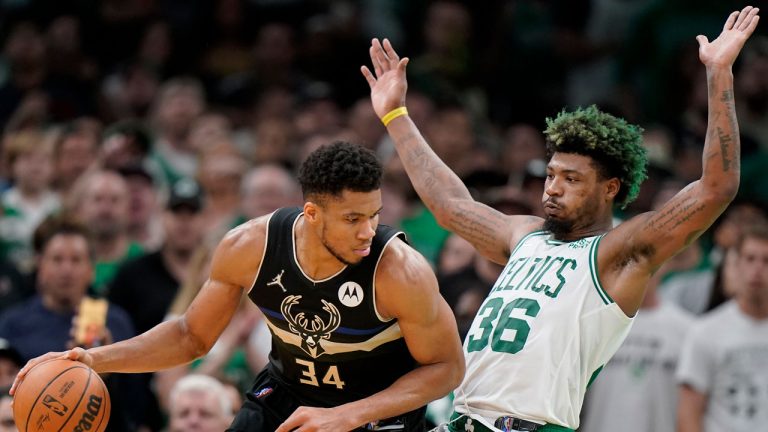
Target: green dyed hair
<point>615,145</point>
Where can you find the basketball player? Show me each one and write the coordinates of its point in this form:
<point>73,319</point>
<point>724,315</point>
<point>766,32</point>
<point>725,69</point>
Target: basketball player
<point>361,337</point>
<point>564,302</point>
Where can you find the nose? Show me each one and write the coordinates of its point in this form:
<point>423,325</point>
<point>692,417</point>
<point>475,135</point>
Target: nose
<point>552,187</point>
<point>367,230</point>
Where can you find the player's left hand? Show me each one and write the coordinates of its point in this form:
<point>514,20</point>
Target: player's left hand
<point>310,419</point>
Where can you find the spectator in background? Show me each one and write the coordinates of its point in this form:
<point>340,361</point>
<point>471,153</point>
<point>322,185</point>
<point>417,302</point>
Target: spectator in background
<point>10,363</point>
<point>146,286</point>
<point>522,143</point>
<point>65,269</point>
<point>636,390</point>
<point>75,149</point>
<point>221,170</point>
<point>266,188</point>
<point>125,143</point>
<point>101,203</point>
<point>30,200</point>
<point>6,412</point>
<point>24,52</point>
<point>44,322</point>
<point>722,373</point>
<point>179,102</point>
<point>199,403</point>
<point>143,225</point>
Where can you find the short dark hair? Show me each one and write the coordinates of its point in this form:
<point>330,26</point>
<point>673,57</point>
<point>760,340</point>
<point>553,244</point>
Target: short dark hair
<point>757,231</point>
<point>340,166</point>
<point>59,224</point>
<point>612,143</point>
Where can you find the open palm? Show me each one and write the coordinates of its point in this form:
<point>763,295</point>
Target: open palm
<point>737,29</point>
<point>388,85</point>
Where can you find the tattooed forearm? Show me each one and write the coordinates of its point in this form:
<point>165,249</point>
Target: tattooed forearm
<point>725,143</point>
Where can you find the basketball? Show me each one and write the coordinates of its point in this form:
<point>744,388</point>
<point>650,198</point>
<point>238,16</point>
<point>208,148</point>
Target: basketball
<point>61,395</point>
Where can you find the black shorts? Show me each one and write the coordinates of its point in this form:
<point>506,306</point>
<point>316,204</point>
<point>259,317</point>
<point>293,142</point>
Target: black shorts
<point>268,404</point>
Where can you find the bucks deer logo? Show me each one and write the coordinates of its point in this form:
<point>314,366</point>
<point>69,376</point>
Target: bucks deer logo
<point>313,331</point>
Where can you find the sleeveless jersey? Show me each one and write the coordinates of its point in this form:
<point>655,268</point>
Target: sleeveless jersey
<point>544,331</point>
<point>329,344</point>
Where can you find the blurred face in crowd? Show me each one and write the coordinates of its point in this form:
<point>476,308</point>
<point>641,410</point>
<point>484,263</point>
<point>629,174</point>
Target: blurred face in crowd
<point>119,150</point>
<point>523,143</point>
<point>178,107</point>
<point>753,268</point>
<point>457,253</point>
<point>64,271</point>
<point>8,371</point>
<point>198,411</point>
<point>183,226</point>
<point>267,188</point>
<point>32,170</point>
<point>76,153</point>
<point>104,204</point>
<point>142,200</point>
<point>6,415</point>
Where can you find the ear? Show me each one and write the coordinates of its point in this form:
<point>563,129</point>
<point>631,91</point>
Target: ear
<point>312,212</point>
<point>612,187</point>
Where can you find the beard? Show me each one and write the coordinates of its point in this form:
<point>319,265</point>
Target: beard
<point>334,252</point>
<point>558,228</point>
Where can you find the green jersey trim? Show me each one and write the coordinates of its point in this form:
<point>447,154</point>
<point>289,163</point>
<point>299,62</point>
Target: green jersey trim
<point>522,240</point>
<point>593,271</point>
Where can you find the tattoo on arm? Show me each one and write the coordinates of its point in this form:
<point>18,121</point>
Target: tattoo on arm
<point>725,143</point>
<point>679,212</point>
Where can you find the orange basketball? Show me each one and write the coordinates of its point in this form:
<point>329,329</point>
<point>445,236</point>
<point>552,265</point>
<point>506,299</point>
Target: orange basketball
<point>61,395</point>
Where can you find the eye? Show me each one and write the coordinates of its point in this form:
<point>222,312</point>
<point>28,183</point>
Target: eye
<point>570,179</point>
<point>550,176</point>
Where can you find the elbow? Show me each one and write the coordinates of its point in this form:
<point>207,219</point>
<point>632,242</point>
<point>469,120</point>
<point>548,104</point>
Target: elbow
<point>457,368</point>
<point>722,192</point>
<point>194,344</point>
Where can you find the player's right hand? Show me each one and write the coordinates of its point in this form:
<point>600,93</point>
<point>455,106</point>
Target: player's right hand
<point>76,354</point>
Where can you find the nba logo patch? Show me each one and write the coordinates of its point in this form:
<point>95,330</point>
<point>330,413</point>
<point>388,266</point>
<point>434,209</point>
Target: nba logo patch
<point>262,393</point>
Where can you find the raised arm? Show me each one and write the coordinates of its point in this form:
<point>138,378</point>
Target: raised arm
<point>406,290</point>
<point>635,249</point>
<point>185,338</point>
<point>490,231</point>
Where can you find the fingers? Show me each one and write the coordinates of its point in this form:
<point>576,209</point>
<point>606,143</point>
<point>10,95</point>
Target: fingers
<point>753,25</point>
<point>391,54</point>
<point>749,21</point>
<point>368,76</point>
<point>381,57</point>
<point>742,16</point>
<point>702,40</point>
<point>375,61</point>
<point>731,20</point>
<point>402,64</point>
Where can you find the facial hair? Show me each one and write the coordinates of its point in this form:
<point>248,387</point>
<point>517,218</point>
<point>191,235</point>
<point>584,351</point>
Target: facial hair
<point>558,228</point>
<point>333,252</point>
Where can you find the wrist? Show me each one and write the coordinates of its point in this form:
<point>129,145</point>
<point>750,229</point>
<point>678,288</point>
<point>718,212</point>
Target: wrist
<point>400,111</point>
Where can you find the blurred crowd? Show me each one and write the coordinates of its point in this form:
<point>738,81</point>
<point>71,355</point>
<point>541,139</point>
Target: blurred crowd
<point>147,129</point>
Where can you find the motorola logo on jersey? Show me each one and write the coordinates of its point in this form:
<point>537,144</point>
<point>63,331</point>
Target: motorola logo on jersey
<point>350,294</point>
<point>313,331</point>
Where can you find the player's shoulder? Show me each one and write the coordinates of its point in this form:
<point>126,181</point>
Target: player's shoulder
<point>240,250</point>
<point>247,234</point>
<point>402,265</point>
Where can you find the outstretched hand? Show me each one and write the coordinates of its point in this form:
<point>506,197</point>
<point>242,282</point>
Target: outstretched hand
<point>388,85</point>
<point>737,29</point>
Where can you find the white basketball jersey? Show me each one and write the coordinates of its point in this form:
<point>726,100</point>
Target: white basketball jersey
<point>544,331</point>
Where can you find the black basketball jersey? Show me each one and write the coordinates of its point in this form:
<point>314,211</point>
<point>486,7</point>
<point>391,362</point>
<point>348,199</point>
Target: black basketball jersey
<point>328,342</point>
